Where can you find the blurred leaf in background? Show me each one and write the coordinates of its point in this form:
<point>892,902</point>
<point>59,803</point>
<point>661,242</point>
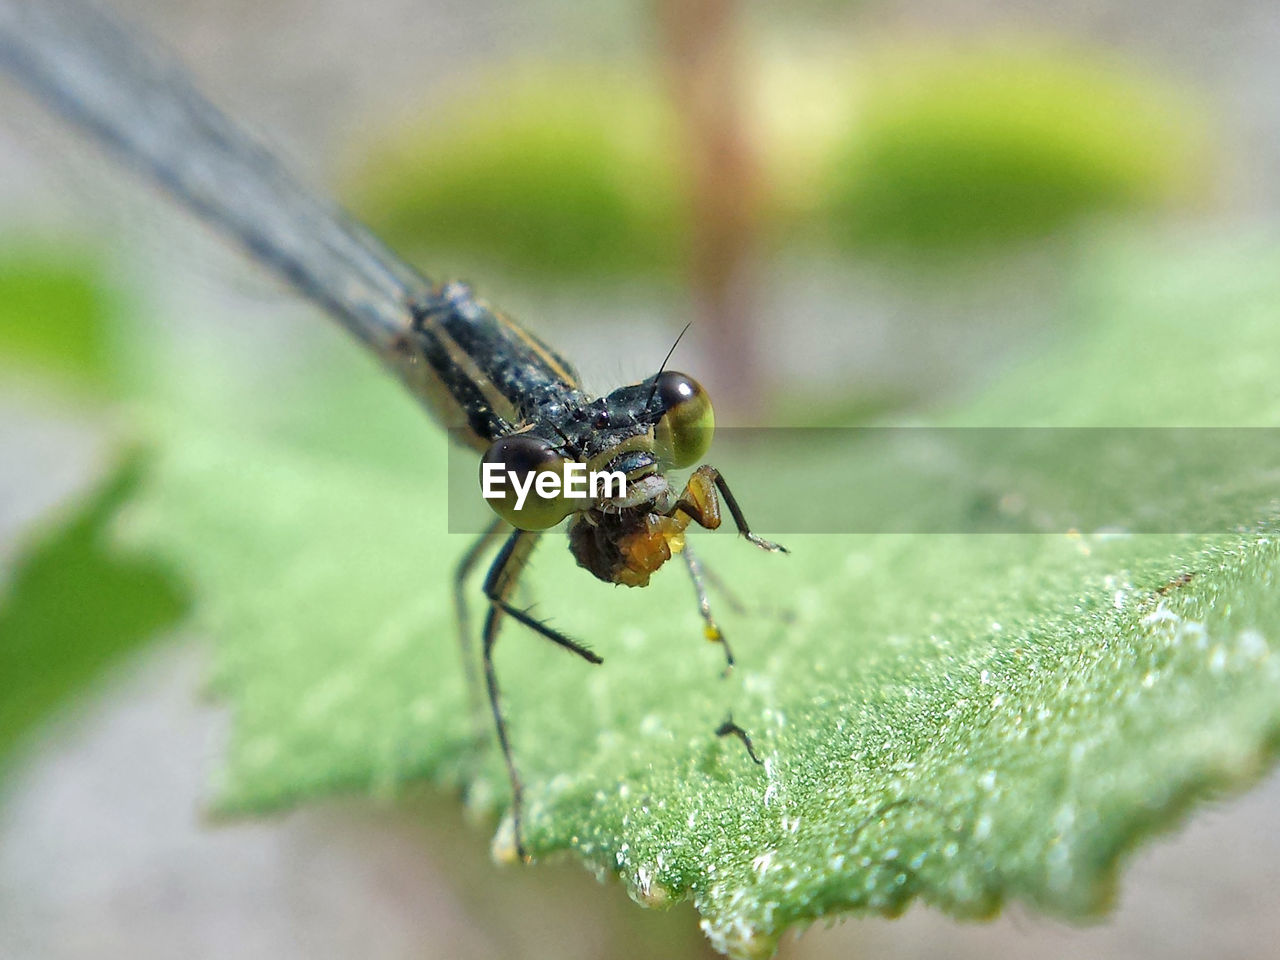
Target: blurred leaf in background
<point>56,307</point>
<point>549,170</point>
<point>911,149</point>
<point>949,150</point>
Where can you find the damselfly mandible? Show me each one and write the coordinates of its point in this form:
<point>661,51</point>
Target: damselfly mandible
<point>480,374</point>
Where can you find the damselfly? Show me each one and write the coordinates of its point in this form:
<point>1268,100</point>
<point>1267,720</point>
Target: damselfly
<point>489,381</point>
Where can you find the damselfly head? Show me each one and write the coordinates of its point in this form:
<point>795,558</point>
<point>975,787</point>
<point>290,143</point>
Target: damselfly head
<point>620,446</point>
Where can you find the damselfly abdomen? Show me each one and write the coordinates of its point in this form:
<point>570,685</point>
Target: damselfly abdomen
<point>496,386</point>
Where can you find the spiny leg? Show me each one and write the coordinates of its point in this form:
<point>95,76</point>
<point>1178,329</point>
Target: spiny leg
<point>710,629</point>
<point>499,584</point>
<point>699,501</point>
<point>462,618</point>
<point>735,511</point>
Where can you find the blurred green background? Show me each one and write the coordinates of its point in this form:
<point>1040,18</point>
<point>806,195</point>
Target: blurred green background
<point>869,210</point>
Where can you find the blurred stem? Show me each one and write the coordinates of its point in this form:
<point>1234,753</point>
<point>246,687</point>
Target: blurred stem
<point>698,42</point>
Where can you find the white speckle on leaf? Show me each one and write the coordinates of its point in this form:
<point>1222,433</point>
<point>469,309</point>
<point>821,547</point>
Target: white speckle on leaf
<point>322,699</point>
<point>422,710</point>
<point>1252,645</point>
<point>1195,630</point>
<point>1059,864</point>
<point>633,638</point>
<point>737,938</point>
<point>1065,819</point>
<point>758,683</point>
<point>647,891</point>
<point>503,849</point>
<point>857,564</point>
<point>1161,614</point>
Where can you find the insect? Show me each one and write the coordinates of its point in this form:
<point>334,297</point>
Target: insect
<point>492,383</point>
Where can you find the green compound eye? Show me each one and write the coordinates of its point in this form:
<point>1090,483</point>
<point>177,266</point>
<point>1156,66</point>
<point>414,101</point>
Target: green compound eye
<point>683,434</point>
<point>511,468</point>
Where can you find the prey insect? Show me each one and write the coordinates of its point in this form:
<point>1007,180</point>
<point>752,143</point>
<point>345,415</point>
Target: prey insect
<point>492,383</point>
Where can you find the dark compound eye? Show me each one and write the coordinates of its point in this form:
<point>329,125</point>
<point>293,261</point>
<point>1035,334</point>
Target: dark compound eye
<point>517,460</point>
<point>675,388</point>
<point>521,454</point>
<point>683,432</point>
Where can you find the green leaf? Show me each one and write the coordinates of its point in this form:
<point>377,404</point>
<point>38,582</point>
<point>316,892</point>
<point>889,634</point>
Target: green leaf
<point>949,151</point>
<point>965,719</point>
<point>73,606</point>
<point>543,169</point>
<point>55,311</point>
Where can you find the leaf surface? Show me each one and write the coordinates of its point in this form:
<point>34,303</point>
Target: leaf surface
<point>961,718</point>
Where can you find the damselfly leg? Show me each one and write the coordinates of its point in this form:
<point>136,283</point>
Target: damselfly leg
<point>699,503</point>
<point>710,629</point>
<point>462,618</point>
<point>731,729</point>
<point>499,586</point>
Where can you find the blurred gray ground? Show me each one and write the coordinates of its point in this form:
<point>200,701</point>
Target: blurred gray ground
<point>102,850</point>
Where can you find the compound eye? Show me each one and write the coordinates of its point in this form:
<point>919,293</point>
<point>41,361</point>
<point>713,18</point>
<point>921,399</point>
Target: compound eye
<point>512,471</point>
<point>683,433</point>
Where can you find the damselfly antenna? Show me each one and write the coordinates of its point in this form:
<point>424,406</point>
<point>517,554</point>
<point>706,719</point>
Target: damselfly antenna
<point>654,391</point>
